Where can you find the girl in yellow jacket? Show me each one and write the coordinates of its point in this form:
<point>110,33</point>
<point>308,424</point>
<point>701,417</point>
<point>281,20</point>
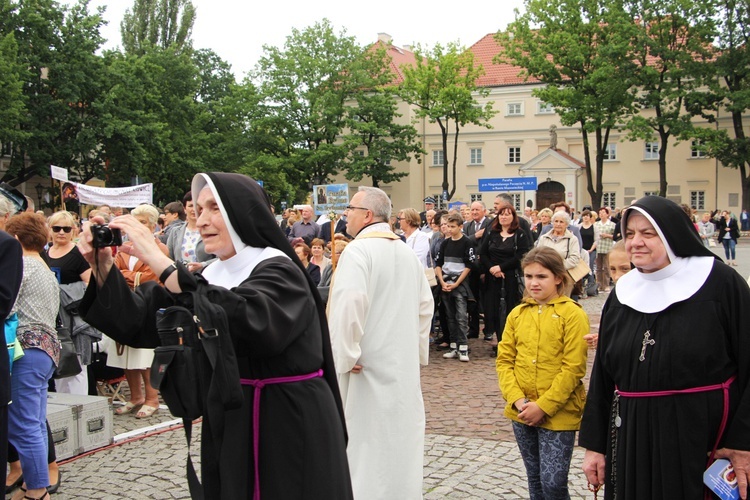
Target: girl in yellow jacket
<point>541,361</point>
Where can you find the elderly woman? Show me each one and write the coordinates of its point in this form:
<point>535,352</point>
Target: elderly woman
<point>417,240</point>
<point>500,255</point>
<point>277,325</point>
<point>545,217</point>
<point>37,306</point>
<point>669,387</point>
<point>562,240</point>
<point>144,399</point>
<point>73,272</point>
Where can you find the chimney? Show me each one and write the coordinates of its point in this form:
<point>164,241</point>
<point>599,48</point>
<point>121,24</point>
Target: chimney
<point>385,38</point>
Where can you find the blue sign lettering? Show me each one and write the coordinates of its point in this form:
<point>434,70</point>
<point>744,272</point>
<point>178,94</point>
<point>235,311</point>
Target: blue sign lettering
<point>508,184</point>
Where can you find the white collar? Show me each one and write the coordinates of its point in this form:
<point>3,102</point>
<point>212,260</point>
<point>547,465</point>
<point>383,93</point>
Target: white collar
<point>654,292</point>
<point>231,272</point>
<point>378,226</point>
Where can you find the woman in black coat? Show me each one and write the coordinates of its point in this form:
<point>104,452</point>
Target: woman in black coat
<point>500,255</point>
<point>729,231</point>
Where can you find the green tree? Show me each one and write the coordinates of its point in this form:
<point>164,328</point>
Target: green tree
<point>442,87</point>
<point>12,101</point>
<point>62,76</point>
<point>579,49</point>
<point>373,124</point>
<point>671,39</point>
<point>304,88</point>
<point>727,78</point>
<point>157,23</point>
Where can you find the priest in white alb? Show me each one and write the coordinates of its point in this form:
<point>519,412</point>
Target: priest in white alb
<point>379,317</point>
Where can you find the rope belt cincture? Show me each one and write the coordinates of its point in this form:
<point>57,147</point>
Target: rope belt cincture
<point>724,387</point>
<point>259,384</point>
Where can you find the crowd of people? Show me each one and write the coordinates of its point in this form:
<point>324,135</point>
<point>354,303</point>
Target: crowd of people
<point>309,307</point>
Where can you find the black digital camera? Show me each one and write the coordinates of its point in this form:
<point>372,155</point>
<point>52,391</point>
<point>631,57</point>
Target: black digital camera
<point>105,236</point>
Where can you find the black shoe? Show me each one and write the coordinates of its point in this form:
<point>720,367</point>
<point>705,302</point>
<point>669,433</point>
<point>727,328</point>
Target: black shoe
<point>473,335</point>
<point>488,337</point>
<point>9,488</point>
<point>52,489</point>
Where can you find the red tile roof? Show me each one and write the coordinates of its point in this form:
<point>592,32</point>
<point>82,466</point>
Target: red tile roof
<point>495,75</point>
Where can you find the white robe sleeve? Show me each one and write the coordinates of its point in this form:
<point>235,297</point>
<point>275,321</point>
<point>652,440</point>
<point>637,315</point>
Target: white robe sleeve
<point>349,305</point>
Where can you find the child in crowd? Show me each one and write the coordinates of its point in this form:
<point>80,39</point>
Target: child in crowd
<point>452,266</point>
<point>619,266</point>
<point>541,361</point>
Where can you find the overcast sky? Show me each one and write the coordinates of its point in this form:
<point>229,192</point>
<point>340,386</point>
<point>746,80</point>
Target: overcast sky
<point>238,29</point>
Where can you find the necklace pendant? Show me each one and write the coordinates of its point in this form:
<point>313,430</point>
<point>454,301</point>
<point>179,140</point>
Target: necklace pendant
<point>618,421</point>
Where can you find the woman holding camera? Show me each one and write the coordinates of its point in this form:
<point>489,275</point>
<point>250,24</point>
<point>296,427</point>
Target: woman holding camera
<point>295,428</point>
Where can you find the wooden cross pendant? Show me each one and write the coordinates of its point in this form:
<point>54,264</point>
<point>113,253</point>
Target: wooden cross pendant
<point>647,341</point>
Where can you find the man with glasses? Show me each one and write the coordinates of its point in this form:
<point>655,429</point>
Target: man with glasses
<point>378,353</point>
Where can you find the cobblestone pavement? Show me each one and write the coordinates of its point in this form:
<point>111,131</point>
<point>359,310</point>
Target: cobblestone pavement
<point>470,451</point>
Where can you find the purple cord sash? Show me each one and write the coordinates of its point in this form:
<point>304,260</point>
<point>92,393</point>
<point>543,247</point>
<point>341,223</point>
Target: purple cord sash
<point>259,384</point>
<point>724,387</point>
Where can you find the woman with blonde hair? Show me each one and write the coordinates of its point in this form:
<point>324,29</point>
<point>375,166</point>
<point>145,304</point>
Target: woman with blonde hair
<point>73,273</point>
<point>144,400</point>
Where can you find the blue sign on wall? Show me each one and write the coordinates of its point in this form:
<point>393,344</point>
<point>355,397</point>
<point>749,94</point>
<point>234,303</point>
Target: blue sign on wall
<point>508,184</point>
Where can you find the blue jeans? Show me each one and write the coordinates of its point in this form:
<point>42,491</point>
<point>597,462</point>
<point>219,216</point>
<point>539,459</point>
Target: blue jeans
<point>546,455</point>
<point>27,414</point>
<point>458,316</point>
<point>729,245</point>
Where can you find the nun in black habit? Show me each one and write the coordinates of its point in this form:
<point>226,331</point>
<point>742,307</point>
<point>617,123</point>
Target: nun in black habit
<point>278,330</point>
<point>673,343</point>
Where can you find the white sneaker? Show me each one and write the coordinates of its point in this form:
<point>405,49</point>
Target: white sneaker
<point>452,354</point>
<point>463,355</point>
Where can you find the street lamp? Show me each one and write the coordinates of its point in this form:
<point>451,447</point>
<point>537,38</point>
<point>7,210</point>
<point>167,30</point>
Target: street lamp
<point>39,192</point>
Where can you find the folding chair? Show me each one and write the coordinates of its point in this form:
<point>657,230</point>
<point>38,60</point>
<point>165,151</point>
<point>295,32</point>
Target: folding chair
<point>110,382</point>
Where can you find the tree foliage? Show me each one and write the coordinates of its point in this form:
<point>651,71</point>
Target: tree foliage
<point>579,49</point>
<point>304,88</point>
<point>727,80</point>
<point>373,124</point>
<point>442,86</point>
<point>157,24</point>
<point>669,42</point>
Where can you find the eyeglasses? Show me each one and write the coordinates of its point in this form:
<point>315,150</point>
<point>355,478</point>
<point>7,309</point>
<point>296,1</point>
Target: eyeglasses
<point>57,229</point>
<point>350,207</point>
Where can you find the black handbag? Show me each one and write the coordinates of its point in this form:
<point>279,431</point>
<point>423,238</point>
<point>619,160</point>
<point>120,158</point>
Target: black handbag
<point>68,365</point>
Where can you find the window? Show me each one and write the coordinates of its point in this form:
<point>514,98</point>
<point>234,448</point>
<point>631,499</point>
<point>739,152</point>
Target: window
<point>440,204</point>
<point>516,201</point>
<point>387,162</point>
<point>698,200</point>
<point>651,193</point>
<point>514,109</point>
<point>695,149</point>
<point>360,152</point>
<point>475,156</point>
<point>544,108</point>
<point>610,152</point>
<point>437,158</point>
<point>514,154</point>
<point>476,197</point>
<point>651,151</point>
<point>608,199</point>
